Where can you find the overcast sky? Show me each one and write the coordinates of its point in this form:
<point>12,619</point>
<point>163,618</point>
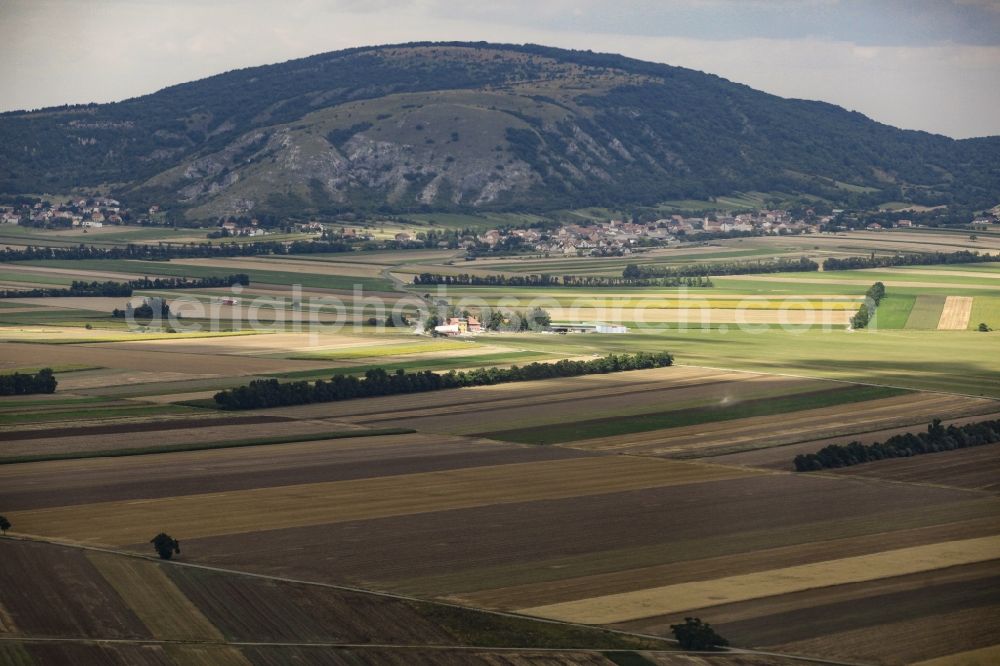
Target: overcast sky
<point>920,64</point>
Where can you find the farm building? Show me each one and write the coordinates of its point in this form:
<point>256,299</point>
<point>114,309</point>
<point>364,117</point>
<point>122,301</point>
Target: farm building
<point>595,327</point>
<point>459,325</point>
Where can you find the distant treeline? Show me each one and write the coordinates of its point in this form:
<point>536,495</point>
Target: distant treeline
<point>937,438</point>
<point>924,259</point>
<point>164,251</point>
<point>112,288</point>
<point>873,297</point>
<point>377,381</point>
<point>544,280</point>
<point>23,383</point>
<point>635,271</point>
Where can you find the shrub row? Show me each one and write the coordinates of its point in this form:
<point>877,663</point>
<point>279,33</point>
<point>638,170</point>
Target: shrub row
<point>376,382</point>
<point>873,297</point>
<point>164,251</point>
<point>23,383</point>
<point>923,259</point>
<point>112,288</point>
<point>544,280</point>
<point>635,271</point>
<point>937,438</point>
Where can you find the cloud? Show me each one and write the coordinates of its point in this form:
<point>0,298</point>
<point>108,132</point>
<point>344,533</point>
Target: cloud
<point>55,51</point>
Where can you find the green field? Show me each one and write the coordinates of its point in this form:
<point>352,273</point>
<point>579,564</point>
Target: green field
<point>926,312</point>
<point>893,312</point>
<point>985,310</point>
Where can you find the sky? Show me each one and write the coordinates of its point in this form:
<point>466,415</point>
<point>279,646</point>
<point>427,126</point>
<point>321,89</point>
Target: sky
<point>932,65</point>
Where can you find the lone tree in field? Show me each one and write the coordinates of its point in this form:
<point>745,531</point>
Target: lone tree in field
<point>4,524</point>
<point>697,635</point>
<point>984,328</point>
<point>165,545</point>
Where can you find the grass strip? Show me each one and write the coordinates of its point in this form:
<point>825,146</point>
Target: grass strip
<point>203,446</point>
<point>623,425</point>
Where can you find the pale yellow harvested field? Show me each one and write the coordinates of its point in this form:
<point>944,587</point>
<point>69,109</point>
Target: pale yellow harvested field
<point>681,597</point>
<point>767,431</point>
<point>699,316</point>
<point>987,656</point>
<point>351,269</point>
<point>235,512</point>
<point>268,343</point>
<point>77,381</point>
<point>154,598</point>
<point>118,356</point>
<point>956,313</point>
<point>393,257</point>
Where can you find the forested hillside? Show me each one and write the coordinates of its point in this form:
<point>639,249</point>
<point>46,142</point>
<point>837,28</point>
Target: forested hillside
<point>477,126</point>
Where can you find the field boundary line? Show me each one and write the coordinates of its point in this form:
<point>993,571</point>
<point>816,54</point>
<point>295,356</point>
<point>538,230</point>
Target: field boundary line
<point>407,647</point>
<point>406,598</point>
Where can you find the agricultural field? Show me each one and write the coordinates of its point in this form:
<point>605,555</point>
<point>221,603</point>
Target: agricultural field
<point>389,529</point>
<point>154,613</point>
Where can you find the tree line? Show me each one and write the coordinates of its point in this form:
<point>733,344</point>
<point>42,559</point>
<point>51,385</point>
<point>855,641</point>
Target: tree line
<point>378,382</point>
<point>803,264</point>
<point>545,280</point>
<point>922,259</point>
<point>873,297</point>
<point>23,383</point>
<point>937,438</point>
<point>113,288</point>
<point>164,251</point>
<point>151,308</point>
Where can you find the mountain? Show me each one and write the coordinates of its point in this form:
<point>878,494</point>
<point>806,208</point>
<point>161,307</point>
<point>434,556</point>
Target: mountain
<point>452,126</point>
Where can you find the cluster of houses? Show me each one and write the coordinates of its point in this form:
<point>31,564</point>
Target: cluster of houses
<point>234,228</point>
<point>616,237</point>
<point>80,212</point>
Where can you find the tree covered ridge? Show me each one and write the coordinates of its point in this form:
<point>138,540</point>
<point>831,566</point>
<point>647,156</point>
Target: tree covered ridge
<point>377,381</point>
<point>682,133</point>
<point>937,438</point>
